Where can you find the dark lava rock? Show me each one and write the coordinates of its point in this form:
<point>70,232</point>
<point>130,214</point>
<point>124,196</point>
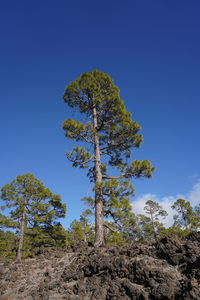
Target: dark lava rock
<point>168,269</point>
<point>194,236</point>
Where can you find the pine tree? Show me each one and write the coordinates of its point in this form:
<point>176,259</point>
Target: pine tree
<point>186,218</point>
<point>81,230</point>
<point>108,134</point>
<point>44,236</point>
<point>155,212</point>
<point>32,204</point>
<point>145,230</point>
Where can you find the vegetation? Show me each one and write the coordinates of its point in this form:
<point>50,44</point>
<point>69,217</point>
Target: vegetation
<point>124,227</point>
<point>111,133</point>
<point>186,217</point>
<point>155,212</point>
<point>30,216</point>
<point>33,207</point>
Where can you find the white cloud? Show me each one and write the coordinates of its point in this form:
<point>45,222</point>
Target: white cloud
<point>166,202</point>
<point>194,195</point>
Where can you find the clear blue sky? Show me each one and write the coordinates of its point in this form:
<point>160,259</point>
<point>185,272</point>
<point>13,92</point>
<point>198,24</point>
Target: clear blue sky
<point>152,51</point>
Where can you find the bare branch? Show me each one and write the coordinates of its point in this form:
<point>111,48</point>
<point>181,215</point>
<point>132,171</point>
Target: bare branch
<point>111,177</point>
<point>80,162</point>
<point>86,139</point>
<point>110,228</point>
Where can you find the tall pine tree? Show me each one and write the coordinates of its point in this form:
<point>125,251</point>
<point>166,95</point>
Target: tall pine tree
<point>108,135</point>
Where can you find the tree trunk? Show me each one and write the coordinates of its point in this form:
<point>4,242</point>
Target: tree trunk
<point>184,218</point>
<point>21,237</point>
<point>99,224</point>
<point>154,230</point>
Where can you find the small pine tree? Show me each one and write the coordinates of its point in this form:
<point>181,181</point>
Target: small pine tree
<point>32,204</point>
<point>186,217</point>
<point>145,230</point>
<point>82,230</point>
<point>155,212</point>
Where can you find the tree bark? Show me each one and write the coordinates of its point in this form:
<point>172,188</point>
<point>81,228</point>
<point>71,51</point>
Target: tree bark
<point>99,223</point>
<point>21,237</point>
<point>154,230</point>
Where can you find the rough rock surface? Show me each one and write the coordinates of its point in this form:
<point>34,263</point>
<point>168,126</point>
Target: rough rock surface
<point>168,269</point>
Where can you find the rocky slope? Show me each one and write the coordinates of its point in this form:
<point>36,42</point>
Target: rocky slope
<point>168,269</point>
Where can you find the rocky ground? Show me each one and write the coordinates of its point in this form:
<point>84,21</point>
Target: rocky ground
<point>168,269</point>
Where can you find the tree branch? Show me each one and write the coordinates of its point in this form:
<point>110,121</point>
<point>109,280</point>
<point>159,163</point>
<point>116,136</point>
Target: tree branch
<point>104,117</point>
<point>111,229</point>
<point>81,163</point>
<point>111,177</point>
<point>112,146</point>
<point>86,139</point>
<point>104,152</point>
